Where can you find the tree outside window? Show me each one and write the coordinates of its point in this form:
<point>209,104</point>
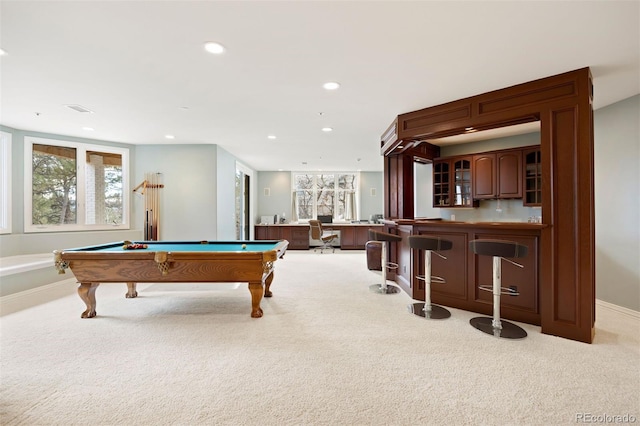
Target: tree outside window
<point>75,186</point>
<point>331,194</point>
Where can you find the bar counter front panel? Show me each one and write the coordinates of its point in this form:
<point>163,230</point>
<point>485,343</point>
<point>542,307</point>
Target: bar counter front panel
<point>465,271</point>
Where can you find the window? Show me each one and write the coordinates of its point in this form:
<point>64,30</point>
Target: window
<point>75,186</point>
<point>332,194</point>
<point>5,183</point>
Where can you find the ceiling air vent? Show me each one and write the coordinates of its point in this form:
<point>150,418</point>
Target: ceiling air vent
<point>79,108</point>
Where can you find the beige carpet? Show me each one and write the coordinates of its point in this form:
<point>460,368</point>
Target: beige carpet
<point>326,352</point>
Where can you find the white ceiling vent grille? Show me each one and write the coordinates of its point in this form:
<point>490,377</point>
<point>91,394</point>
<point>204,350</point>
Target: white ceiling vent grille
<point>79,108</point>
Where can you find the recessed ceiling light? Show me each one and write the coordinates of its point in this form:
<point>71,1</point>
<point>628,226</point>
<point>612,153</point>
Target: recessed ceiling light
<point>88,129</point>
<point>327,129</point>
<point>213,47</point>
<point>2,52</point>
<point>169,136</point>
<point>271,137</point>
<point>331,85</point>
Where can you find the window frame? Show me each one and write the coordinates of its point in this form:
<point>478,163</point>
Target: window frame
<point>81,199</point>
<point>5,182</point>
<point>336,190</point>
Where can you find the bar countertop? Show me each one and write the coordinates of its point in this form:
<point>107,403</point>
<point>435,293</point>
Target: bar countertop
<point>466,224</point>
<point>324,225</point>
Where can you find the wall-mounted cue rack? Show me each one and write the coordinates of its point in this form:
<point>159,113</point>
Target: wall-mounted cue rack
<point>150,190</point>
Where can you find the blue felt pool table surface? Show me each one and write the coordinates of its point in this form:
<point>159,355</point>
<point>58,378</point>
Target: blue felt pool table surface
<point>188,246</point>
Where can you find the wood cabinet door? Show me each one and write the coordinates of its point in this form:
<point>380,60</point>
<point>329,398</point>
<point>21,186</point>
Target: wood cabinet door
<point>285,234</point>
<point>347,237</point>
<point>261,233</point>
<point>299,238</point>
<point>362,236</point>
<point>509,174</point>
<point>273,233</point>
<point>441,183</point>
<point>484,176</point>
<point>532,177</point>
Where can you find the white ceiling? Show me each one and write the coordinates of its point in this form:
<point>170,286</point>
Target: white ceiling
<point>136,65</point>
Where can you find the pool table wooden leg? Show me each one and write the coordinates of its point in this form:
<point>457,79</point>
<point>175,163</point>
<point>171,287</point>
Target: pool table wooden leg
<point>131,290</point>
<point>87,292</point>
<point>267,285</point>
<point>256,290</point>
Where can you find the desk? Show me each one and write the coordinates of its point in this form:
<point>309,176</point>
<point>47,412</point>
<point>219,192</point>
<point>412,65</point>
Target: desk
<point>353,236</point>
<point>173,261</point>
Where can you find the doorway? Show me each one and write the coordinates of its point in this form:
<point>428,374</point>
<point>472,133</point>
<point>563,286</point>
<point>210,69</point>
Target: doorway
<point>243,208</point>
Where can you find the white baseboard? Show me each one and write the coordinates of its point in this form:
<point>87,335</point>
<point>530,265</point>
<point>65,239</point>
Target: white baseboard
<point>36,296</point>
<point>621,309</point>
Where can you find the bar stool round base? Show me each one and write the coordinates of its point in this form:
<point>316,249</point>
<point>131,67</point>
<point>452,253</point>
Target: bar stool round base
<point>508,331</point>
<point>437,312</point>
<point>391,289</point>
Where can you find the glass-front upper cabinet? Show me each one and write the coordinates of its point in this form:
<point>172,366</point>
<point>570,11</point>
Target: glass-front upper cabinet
<point>462,196</point>
<point>532,178</point>
<point>441,196</point>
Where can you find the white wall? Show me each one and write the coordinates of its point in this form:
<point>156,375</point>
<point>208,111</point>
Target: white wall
<point>617,201</point>
<point>371,194</point>
<point>278,200</point>
<point>188,203</point>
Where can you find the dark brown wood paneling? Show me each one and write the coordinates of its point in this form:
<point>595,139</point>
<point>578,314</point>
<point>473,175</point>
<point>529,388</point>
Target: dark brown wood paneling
<point>524,280</point>
<point>401,254</point>
<point>412,122</point>
<point>450,268</point>
<point>540,94</point>
<point>399,181</point>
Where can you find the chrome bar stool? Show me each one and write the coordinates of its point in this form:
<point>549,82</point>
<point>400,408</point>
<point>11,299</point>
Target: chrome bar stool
<point>500,250</point>
<point>384,239</point>
<point>429,245</point>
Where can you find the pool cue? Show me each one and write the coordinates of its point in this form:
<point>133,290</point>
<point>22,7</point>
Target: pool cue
<point>146,224</point>
<point>151,201</point>
<point>155,193</point>
<point>158,207</point>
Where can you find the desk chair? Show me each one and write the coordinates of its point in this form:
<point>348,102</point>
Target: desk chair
<point>500,250</point>
<point>384,239</point>
<point>429,245</point>
<point>317,233</point>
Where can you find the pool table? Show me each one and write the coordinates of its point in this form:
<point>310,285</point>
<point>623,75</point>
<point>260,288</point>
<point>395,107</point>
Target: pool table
<point>172,261</point>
